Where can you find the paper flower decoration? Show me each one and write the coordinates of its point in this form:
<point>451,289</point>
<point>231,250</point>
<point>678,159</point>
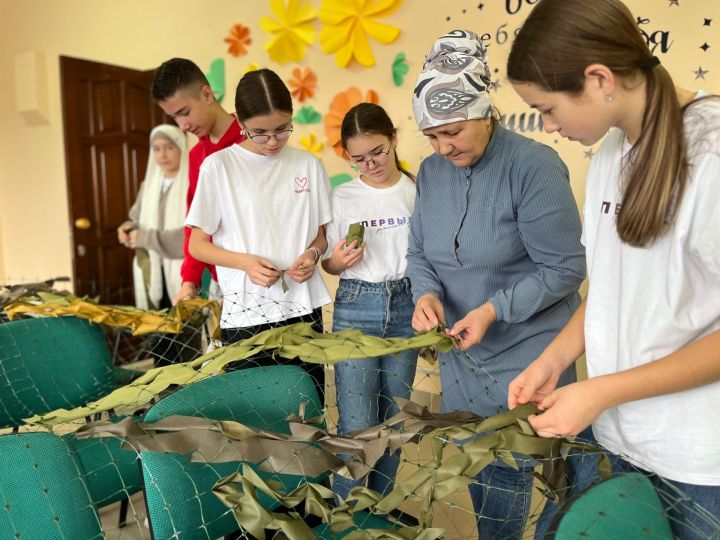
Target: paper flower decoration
<point>238,40</point>
<point>341,104</point>
<point>350,23</point>
<point>399,69</point>
<point>303,83</point>
<point>292,32</point>
<point>307,115</point>
<point>338,179</point>
<point>216,78</point>
<point>311,144</point>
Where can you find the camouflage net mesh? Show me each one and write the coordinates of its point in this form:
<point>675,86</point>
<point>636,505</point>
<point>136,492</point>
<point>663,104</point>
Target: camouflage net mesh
<point>120,423</point>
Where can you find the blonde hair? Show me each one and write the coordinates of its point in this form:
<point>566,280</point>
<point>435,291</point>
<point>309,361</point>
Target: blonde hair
<point>558,41</point>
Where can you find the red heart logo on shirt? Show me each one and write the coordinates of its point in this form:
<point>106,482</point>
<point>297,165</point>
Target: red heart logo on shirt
<point>301,182</point>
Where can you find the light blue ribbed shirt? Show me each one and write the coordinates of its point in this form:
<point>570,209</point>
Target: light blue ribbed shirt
<point>506,230</point>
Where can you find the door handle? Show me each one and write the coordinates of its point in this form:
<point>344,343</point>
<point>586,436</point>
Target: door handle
<point>81,250</point>
<point>82,223</point>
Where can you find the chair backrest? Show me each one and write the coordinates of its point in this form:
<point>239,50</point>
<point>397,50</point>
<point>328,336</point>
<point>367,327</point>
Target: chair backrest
<point>51,363</point>
<point>178,493</point>
<point>42,490</point>
<point>625,506</point>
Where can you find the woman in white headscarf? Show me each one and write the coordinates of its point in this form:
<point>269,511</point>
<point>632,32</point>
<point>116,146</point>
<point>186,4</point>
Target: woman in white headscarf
<point>155,227</point>
<point>494,254</point>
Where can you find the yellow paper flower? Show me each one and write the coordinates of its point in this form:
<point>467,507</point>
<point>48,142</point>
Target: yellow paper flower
<point>251,67</point>
<point>348,23</point>
<point>311,144</point>
<point>291,32</point>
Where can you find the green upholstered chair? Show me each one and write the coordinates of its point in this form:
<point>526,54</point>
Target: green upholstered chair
<point>51,363</point>
<point>178,493</point>
<point>43,494</point>
<point>625,506</point>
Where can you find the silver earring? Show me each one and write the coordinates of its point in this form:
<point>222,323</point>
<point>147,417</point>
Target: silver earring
<point>608,98</point>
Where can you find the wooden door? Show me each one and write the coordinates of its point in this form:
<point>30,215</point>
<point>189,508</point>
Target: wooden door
<point>108,114</point>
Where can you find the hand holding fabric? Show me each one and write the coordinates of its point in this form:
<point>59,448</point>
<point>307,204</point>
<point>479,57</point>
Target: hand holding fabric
<point>569,409</point>
<point>260,271</point>
<point>303,268</point>
<point>429,313</point>
<point>346,256</point>
<point>470,330</point>
<point>188,291</point>
<point>534,383</point>
<point>122,232</point>
<point>132,238</point>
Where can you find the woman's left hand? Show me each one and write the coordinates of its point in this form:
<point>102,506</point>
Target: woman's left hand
<point>470,330</point>
<point>303,268</point>
<point>569,409</point>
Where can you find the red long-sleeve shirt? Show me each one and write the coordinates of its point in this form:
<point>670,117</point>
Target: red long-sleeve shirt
<point>192,269</point>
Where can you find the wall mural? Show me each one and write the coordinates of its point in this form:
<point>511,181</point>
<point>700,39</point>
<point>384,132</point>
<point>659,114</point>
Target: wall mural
<point>352,31</point>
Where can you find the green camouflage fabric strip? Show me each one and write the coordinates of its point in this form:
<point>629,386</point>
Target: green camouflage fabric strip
<point>292,341</point>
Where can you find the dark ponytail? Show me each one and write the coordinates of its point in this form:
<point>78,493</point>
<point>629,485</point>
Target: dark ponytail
<point>559,39</point>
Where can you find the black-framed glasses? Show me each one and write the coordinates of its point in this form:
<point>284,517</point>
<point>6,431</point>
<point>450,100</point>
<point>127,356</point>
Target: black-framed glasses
<point>264,139</point>
<point>379,158</point>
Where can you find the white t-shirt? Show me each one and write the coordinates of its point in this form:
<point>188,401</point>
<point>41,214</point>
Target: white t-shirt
<point>386,216</point>
<point>271,207</point>
<point>646,303</point>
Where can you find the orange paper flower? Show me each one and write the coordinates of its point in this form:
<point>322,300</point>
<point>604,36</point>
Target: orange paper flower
<point>238,39</point>
<point>303,84</point>
<point>339,106</point>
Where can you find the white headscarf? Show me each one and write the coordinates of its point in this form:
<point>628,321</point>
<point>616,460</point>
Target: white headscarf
<point>453,85</point>
<point>174,218</point>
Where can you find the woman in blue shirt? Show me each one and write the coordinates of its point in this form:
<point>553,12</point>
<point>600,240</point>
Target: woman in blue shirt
<point>494,254</point>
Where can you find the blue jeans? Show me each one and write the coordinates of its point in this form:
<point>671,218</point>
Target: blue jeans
<point>692,510</point>
<point>501,498</point>
<point>365,388</point>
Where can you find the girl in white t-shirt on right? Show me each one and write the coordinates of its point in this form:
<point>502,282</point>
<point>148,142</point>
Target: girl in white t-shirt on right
<point>650,326</point>
<point>374,294</point>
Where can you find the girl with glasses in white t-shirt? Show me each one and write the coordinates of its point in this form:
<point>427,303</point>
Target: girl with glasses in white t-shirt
<point>259,215</point>
<point>374,292</point>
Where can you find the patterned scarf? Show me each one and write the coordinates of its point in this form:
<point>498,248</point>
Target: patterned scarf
<point>454,82</point>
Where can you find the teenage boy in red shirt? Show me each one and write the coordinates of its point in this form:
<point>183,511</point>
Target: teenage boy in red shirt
<point>181,89</point>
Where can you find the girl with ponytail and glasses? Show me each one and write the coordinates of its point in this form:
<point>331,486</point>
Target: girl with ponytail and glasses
<point>259,215</point>
<point>650,325</point>
<point>374,292</point>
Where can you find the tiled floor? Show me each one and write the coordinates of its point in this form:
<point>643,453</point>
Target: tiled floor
<point>135,529</point>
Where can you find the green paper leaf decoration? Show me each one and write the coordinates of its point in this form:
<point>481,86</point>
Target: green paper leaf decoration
<point>216,78</point>
<point>341,178</point>
<point>399,69</point>
<point>307,115</point>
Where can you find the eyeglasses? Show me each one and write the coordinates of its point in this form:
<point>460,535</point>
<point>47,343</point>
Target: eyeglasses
<point>379,158</point>
<point>264,139</point>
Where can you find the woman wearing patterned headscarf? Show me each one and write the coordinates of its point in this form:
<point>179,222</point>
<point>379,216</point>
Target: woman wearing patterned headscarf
<point>494,254</point>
